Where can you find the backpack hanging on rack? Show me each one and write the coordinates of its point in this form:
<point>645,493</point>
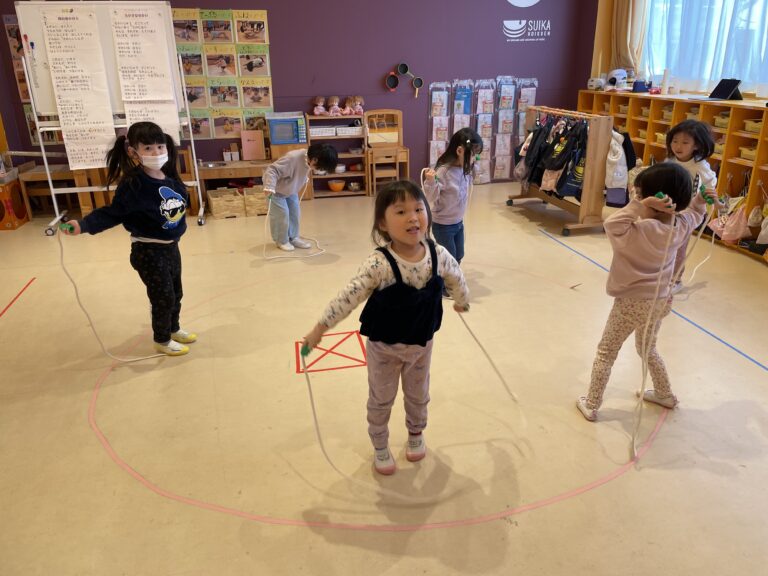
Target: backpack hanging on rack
<point>616,173</point>
<point>538,150</point>
<point>559,158</point>
<point>521,170</point>
<point>574,180</point>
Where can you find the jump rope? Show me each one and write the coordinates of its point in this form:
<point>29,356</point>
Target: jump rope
<point>673,278</point>
<point>69,227</point>
<point>305,351</point>
<point>266,235</point>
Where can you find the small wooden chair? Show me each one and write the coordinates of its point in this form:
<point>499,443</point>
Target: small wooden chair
<point>386,153</point>
<point>384,164</point>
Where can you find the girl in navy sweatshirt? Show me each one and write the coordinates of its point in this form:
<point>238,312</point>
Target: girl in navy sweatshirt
<point>151,203</point>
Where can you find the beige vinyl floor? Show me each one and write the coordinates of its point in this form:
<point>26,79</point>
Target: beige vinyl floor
<point>209,464</point>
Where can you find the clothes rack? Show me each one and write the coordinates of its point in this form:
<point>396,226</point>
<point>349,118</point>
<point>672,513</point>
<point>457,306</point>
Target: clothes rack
<point>590,210</point>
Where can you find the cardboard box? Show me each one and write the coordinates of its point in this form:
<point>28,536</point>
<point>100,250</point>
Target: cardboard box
<point>253,145</point>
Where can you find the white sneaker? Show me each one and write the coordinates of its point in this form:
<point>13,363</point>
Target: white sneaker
<point>300,243</point>
<point>668,402</point>
<point>588,413</point>
<point>288,247</point>
<point>171,348</point>
<point>416,448</point>
<point>383,462</point>
<point>183,336</point>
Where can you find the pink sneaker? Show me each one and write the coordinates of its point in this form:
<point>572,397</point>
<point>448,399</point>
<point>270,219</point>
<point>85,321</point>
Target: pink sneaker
<point>668,401</point>
<point>383,462</point>
<point>416,448</point>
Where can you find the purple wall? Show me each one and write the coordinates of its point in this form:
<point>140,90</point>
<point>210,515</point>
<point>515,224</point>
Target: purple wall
<point>340,47</point>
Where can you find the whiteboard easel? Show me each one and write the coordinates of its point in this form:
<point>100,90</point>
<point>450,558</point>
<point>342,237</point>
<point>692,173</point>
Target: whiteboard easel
<point>42,97</point>
<point>29,14</point>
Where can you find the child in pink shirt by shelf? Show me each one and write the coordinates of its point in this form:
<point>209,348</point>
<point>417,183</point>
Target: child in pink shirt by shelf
<point>645,236</point>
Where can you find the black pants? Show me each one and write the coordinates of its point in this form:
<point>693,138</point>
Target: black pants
<point>159,266</point>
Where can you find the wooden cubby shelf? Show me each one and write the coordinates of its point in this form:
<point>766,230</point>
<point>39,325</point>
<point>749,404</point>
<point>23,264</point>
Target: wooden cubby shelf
<point>656,114</point>
<point>343,143</point>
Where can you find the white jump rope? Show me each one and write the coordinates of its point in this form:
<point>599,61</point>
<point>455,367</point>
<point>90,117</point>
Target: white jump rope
<point>417,500</point>
<point>266,235</point>
<point>646,345</point>
<point>88,316</point>
<point>140,358</point>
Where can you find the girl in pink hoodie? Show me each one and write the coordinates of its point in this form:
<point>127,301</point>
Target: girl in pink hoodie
<point>645,236</point>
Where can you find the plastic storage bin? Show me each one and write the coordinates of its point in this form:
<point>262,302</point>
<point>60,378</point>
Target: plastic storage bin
<point>349,131</point>
<point>721,120</point>
<point>747,152</point>
<point>318,131</point>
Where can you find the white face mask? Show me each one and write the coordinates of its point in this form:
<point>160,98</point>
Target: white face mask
<point>154,162</point>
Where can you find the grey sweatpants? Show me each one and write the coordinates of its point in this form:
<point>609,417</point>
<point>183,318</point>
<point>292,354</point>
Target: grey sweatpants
<point>387,364</point>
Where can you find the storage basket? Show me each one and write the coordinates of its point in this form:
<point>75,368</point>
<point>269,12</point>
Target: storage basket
<point>645,111</point>
<point>349,131</point>
<point>719,148</point>
<point>226,203</point>
<point>721,120</point>
<point>747,153</point>
<point>255,201</point>
<point>322,131</point>
<point>623,108</point>
<point>661,138</point>
<point>606,106</point>
<point>666,114</point>
<point>693,113</point>
<point>642,133</point>
<point>753,125</point>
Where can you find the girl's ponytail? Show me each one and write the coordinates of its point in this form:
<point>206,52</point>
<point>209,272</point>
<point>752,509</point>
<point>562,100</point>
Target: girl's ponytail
<point>119,163</point>
<point>171,167</point>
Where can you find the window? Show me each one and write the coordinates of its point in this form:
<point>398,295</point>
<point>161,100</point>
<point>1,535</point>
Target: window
<point>702,41</point>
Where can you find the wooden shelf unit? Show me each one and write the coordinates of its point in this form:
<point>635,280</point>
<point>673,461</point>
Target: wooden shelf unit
<point>318,182</point>
<point>732,137</point>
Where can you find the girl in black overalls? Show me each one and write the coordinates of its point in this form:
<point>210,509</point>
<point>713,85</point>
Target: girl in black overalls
<point>403,282</point>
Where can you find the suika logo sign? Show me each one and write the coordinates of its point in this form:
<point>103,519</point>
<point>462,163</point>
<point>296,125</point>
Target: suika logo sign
<point>527,30</point>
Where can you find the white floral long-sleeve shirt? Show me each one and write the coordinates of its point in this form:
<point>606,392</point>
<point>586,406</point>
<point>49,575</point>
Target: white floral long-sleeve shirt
<point>376,274</point>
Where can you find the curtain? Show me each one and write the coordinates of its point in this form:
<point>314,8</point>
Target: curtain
<point>630,23</point>
<point>703,41</point>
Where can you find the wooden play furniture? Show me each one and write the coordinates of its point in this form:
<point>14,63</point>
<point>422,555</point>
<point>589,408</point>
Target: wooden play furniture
<point>736,124</point>
<point>349,142</point>
<point>387,157</point>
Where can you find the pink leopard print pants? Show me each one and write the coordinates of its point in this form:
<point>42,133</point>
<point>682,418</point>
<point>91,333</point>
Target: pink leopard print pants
<point>630,315</point>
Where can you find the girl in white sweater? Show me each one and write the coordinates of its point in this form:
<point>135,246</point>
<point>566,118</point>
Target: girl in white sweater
<point>689,144</point>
